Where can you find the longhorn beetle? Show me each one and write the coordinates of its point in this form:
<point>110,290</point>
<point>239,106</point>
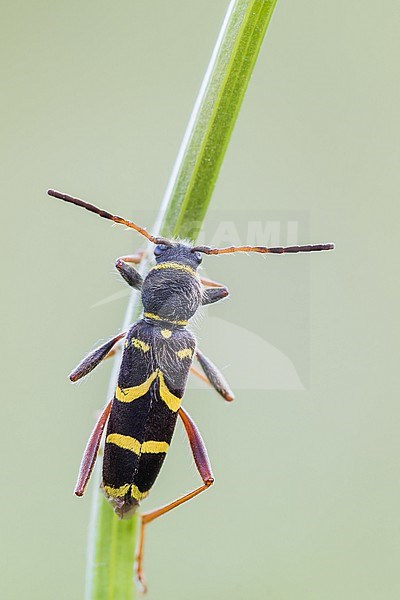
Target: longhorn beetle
<point>157,357</point>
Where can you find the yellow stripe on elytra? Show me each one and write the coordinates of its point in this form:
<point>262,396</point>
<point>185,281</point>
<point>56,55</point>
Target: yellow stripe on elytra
<point>152,447</point>
<point>129,443</point>
<point>175,265</point>
<point>137,494</point>
<point>140,345</point>
<point>124,441</point>
<point>123,490</point>
<point>185,352</point>
<point>137,391</point>
<point>133,393</point>
<point>155,317</point>
<point>172,401</point>
<point>117,492</point>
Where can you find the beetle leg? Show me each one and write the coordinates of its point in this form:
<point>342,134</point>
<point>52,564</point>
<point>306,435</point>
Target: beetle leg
<point>210,282</point>
<point>136,259</point>
<point>131,276</point>
<point>113,351</point>
<point>213,376</point>
<point>214,294</point>
<point>200,375</point>
<point>94,358</point>
<point>91,450</point>
<point>204,468</point>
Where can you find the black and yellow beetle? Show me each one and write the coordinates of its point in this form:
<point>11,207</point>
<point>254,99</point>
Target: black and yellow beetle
<point>157,357</point>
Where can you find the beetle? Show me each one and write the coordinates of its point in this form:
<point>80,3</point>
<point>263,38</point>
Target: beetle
<point>156,360</point>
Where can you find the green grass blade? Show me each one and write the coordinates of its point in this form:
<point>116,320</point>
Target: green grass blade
<point>214,116</point>
<point>111,541</point>
<point>112,567</point>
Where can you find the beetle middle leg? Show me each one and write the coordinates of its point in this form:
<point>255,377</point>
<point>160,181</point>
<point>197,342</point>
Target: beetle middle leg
<point>213,376</point>
<point>204,468</point>
<point>95,357</point>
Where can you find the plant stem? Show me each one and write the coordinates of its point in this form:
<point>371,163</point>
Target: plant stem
<point>111,541</point>
<point>214,115</point>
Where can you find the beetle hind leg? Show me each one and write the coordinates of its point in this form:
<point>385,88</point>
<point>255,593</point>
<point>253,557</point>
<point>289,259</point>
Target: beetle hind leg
<point>91,451</point>
<point>204,468</point>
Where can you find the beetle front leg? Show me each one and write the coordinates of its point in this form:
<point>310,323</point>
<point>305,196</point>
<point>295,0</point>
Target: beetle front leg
<point>131,276</point>
<point>136,259</point>
<point>215,294</point>
<point>210,282</point>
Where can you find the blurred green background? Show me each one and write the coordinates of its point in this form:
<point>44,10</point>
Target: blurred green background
<point>95,100</point>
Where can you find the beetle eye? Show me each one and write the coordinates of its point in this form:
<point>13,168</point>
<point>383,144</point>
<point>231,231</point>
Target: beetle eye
<point>198,257</point>
<point>159,249</point>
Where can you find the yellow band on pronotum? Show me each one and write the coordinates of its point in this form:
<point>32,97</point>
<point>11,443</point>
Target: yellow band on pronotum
<point>176,266</point>
<point>155,317</point>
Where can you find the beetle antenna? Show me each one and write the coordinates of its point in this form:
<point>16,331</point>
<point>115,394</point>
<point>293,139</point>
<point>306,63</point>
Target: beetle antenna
<point>107,215</point>
<point>265,249</point>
